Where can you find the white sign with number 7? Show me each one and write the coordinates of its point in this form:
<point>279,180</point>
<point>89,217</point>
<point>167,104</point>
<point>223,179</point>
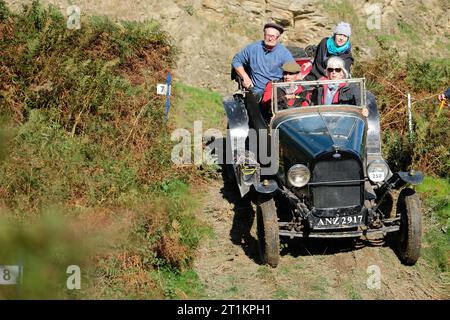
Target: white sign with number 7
<point>161,89</point>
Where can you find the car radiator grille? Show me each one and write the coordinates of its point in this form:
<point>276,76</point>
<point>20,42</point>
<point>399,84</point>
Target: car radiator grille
<point>339,194</point>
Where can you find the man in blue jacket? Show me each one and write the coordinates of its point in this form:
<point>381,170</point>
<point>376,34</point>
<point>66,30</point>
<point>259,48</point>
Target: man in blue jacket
<point>262,59</point>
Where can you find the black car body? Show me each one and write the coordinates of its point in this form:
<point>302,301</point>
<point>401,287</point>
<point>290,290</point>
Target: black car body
<point>326,173</point>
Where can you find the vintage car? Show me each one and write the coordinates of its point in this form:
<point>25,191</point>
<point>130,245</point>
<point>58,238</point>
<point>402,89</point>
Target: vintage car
<point>318,171</point>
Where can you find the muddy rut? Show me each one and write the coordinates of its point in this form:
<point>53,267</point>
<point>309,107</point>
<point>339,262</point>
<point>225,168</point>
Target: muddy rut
<point>228,263</point>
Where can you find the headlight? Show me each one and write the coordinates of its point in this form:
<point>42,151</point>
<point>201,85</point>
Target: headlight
<point>298,175</point>
<point>377,171</point>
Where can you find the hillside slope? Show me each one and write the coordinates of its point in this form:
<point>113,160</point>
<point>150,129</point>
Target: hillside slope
<point>209,32</point>
<point>107,164</point>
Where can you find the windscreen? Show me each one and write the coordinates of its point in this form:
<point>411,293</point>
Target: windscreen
<point>339,126</point>
<point>288,95</point>
<point>315,132</point>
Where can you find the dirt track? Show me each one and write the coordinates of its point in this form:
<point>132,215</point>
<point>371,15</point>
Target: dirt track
<point>229,264</point>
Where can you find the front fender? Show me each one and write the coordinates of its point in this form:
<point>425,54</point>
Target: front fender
<point>401,178</point>
<point>266,186</point>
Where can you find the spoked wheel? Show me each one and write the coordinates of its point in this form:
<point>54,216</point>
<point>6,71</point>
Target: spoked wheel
<point>267,229</point>
<point>410,235</point>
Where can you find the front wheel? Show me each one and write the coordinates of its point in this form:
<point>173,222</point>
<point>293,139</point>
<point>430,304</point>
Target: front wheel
<point>410,235</point>
<point>267,229</point>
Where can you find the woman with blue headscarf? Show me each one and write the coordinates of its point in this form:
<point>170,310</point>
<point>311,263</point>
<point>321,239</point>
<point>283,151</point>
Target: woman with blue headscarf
<point>338,45</point>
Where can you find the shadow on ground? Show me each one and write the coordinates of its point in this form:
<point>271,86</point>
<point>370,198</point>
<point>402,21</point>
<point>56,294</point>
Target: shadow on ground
<point>308,247</point>
<point>243,218</point>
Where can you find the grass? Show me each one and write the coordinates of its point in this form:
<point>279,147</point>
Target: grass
<point>280,294</point>
<point>195,104</point>
<point>179,285</point>
<point>390,77</point>
<point>45,248</point>
<point>200,111</point>
<point>319,288</point>
<point>85,174</point>
<point>264,273</point>
<point>437,198</point>
<point>351,291</point>
<point>408,31</point>
<point>436,195</point>
<point>85,170</point>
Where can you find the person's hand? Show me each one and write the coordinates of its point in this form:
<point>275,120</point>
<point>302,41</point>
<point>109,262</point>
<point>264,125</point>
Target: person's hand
<point>365,112</point>
<point>247,83</point>
<point>290,96</point>
<point>306,65</point>
<point>441,97</point>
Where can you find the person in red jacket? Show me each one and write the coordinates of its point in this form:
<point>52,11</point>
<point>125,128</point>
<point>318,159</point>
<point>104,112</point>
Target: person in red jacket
<point>288,96</point>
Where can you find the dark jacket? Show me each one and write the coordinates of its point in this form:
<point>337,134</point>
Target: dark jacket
<point>283,103</point>
<point>321,58</point>
<point>346,94</point>
<point>447,94</point>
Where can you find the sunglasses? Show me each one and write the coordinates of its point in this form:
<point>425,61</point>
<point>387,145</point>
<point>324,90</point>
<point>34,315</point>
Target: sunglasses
<point>334,69</point>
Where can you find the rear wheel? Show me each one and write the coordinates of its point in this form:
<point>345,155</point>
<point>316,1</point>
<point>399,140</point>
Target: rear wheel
<point>267,229</point>
<point>409,242</point>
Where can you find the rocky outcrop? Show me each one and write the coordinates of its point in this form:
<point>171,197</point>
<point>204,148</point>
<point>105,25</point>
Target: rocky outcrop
<point>303,19</point>
<point>209,32</point>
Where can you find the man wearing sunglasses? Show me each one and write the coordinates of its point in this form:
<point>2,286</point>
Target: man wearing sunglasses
<point>261,61</point>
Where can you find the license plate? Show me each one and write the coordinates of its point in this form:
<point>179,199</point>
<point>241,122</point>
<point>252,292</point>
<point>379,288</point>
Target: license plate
<point>339,222</point>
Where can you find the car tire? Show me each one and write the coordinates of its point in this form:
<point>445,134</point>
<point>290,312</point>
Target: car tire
<point>267,231</point>
<point>410,234</point>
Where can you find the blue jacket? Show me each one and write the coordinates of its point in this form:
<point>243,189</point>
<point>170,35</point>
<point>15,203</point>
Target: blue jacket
<point>447,93</point>
<point>262,65</point>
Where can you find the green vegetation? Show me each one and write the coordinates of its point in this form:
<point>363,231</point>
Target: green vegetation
<point>319,288</point>
<point>45,248</point>
<point>436,195</point>
<point>408,31</point>
<point>84,139</point>
<point>352,292</point>
<point>195,104</point>
<point>390,78</point>
<point>189,9</point>
<point>85,172</point>
<point>404,32</point>
<point>179,285</point>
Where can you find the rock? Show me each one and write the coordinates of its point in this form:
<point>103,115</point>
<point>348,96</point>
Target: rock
<point>255,7</point>
<point>213,5</point>
<point>209,32</point>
